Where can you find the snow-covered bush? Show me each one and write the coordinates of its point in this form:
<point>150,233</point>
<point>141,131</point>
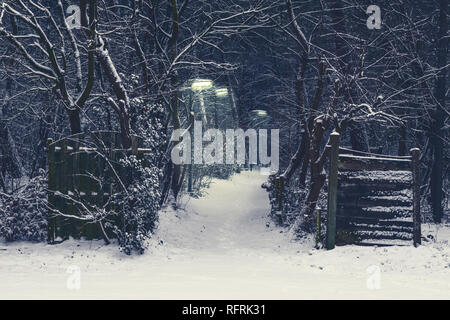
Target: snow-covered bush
<point>136,208</point>
<point>293,197</point>
<point>23,215</point>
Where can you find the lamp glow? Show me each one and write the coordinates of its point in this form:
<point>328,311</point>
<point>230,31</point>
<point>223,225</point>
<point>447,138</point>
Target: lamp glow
<point>222,92</point>
<point>259,113</point>
<point>201,84</point>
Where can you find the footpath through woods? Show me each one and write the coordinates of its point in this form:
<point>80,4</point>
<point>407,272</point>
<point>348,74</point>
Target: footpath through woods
<point>224,246</point>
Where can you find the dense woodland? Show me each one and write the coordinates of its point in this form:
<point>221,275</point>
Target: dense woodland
<point>314,66</point>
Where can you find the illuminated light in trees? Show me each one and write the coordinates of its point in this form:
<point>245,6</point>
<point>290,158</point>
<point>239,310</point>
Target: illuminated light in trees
<point>201,84</point>
<point>222,92</point>
<point>259,113</point>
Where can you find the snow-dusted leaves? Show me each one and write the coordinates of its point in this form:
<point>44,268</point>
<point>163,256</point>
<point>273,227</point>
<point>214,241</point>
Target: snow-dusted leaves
<point>136,209</point>
<point>23,215</point>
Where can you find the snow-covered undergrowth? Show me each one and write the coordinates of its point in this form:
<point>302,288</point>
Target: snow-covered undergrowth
<point>223,246</point>
<point>23,216</point>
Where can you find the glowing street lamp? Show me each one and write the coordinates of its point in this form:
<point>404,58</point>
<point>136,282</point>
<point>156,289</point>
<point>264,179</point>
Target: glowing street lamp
<point>222,92</point>
<point>201,84</point>
<point>259,113</point>
<point>258,118</point>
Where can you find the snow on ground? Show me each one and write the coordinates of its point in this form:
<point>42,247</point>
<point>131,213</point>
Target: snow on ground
<point>223,246</point>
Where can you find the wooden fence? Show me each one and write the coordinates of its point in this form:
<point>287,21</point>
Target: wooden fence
<point>372,197</point>
<point>83,172</point>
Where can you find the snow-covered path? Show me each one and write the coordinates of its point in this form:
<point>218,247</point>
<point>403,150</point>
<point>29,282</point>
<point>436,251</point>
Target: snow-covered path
<point>223,246</point>
<point>231,219</point>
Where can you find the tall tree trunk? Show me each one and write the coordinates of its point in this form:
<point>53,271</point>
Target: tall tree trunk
<point>177,172</point>
<point>438,119</point>
<point>318,176</point>
<point>122,108</point>
<point>10,160</point>
<point>74,121</point>
<point>233,103</point>
<point>402,140</point>
<point>356,131</point>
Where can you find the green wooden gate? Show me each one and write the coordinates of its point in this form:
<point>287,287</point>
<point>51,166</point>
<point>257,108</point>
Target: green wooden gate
<point>83,173</point>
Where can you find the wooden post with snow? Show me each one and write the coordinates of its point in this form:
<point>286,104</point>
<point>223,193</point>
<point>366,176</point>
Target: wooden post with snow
<point>332,191</point>
<point>417,220</point>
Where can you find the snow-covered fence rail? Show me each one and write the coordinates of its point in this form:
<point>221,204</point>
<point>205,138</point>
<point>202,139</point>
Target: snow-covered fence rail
<point>83,172</point>
<point>372,197</point>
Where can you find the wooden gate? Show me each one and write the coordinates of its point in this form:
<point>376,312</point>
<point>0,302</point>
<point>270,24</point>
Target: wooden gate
<point>372,198</point>
<point>82,172</point>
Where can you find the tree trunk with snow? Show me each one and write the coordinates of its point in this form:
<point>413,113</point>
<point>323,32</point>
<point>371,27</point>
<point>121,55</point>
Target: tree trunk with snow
<point>343,54</point>
<point>439,116</point>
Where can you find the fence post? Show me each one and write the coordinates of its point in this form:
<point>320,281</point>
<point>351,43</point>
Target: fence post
<point>280,199</point>
<point>318,228</point>
<point>332,190</point>
<point>279,188</point>
<point>417,219</point>
<point>51,190</point>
